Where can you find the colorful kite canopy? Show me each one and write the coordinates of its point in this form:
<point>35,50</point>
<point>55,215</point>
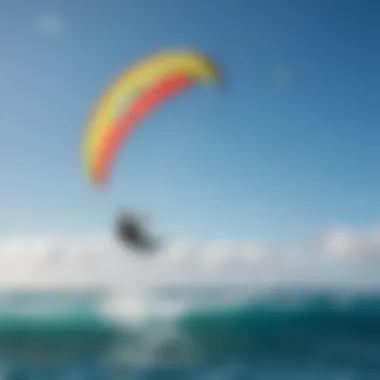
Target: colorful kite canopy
<point>136,93</point>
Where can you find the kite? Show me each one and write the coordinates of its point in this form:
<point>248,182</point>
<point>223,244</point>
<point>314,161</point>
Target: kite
<point>137,92</point>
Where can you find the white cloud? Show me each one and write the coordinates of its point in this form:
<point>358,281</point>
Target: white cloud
<point>345,245</point>
<point>341,244</point>
<point>98,261</point>
<point>49,23</point>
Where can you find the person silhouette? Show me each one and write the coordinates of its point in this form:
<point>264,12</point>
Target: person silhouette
<point>131,232</point>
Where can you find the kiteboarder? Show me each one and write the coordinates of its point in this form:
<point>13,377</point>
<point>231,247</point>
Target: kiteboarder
<point>130,231</point>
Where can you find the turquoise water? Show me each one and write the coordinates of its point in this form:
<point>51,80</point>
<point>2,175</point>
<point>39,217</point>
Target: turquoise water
<point>278,335</point>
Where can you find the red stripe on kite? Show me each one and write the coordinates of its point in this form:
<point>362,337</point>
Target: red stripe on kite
<point>128,121</point>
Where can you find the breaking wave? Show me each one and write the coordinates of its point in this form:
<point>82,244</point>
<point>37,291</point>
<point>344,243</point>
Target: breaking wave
<point>198,325</point>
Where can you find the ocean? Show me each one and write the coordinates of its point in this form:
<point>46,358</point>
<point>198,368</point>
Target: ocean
<point>190,333</point>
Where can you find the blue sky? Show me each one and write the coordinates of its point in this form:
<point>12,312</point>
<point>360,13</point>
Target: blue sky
<point>287,147</point>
